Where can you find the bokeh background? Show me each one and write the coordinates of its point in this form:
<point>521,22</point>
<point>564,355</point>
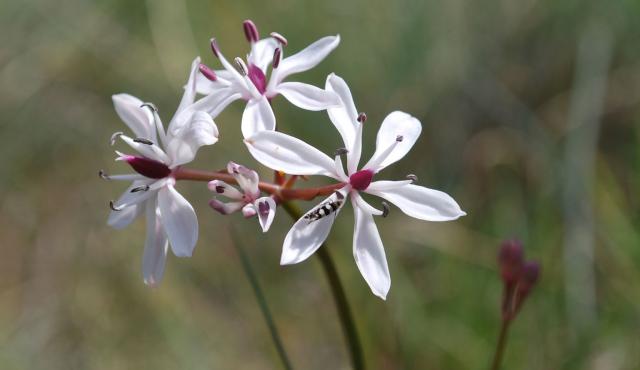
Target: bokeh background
<point>530,111</point>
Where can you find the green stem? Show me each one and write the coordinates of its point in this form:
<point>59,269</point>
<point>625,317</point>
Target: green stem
<point>502,342</point>
<point>262,302</point>
<point>339,296</point>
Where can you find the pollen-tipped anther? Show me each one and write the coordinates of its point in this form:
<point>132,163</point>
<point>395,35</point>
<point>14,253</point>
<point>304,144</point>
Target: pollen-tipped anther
<point>399,138</point>
<point>115,136</point>
<point>207,72</point>
<point>412,177</point>
<point>385,209</point>
<point>103,175</point>
<point>142,140</point>
<point>214,47</point>
<point>113,206</point>
<point>150,106</point>
<point>139,189</point>
<point>241,66</point>
<point>341,151</point>
<point>277,55</point>
<point>362,117</point>
<point>250,31</point>
<point>281,39</point>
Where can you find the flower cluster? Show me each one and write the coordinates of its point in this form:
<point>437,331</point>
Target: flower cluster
<point>171,221</point>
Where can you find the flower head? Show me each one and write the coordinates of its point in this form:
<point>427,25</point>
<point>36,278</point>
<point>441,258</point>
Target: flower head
<point>397,134</point>
<point>248,79</point>
<point>247,199</point>
<point>170,218</point>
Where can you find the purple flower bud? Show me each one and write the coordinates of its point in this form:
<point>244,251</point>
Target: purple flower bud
<point>510,258</point>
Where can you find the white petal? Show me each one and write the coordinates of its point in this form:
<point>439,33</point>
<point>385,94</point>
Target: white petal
<point>155,247</point>
<point>306,236</point>
<point>247,179</point>
<point>152,151</point>
<point>262,53</point>
<point>188,98</point>
<point>368,252</point>
<point>387,185</point>
<point>305,59</point>
<point>388,149</point>
<point>122,218</point>
<point>225,208</point>
<point>179,221</point>
<point>139,119</point>
<point>288,154</point>
<point>419,202</point>
<point>217,101</point>
<point>357,200</point>
<point>205,86</point>
<point>345,116</point>
<point>266,208</point>
<point>222,188</point>
<point>198,131</point>
<point>257,116</point>
<point>307,96</point>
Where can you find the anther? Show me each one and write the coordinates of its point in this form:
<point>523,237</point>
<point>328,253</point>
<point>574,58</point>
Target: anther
<point>139,189</point>
<point>115,136</point>
<point>277,55</point>
<point>362,117</point>
<point>280,38</point>
<point>250,31</point>
<point>341,151</point>
<point>150,106</point>
<point>208,72</point>
<point>219,189</point>
<point>385,209</point>
<point>214,48</point>
<point>339,195</point>
<point>113,207</point>
<point>241,66</point>
<point>399,138</point>
<point>103,175</point>
<point>412,177</point>
<point>142,140</point>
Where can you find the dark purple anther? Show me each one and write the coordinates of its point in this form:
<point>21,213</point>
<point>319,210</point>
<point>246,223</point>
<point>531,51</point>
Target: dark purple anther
<point>214,48</point>
<point>361,179</point>
<point>280,38</point>
<point>277,55</point>
<point>263,208</point>
<point>250,31</point>
<point>147,167</point>
<point>362,117</point>
<point>258,78</point>
<point>208,73</point>
<point>219,189</point>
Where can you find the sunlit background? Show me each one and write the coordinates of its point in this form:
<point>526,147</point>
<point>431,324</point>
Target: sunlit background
<point>530,113</point>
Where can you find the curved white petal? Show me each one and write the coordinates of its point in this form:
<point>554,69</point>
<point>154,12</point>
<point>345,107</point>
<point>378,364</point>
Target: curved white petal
<point>388,149</point>
<point>226,208</point>
<point>266,208</point>
<point>419,202</point>
<point>151,151</point>
<point>155,247</point>
<point>357,200</point>
<point>305,59</point>
<point>188,97</point>
<point>345,116</point>
<point>247,179</point>
<point>198,131</point>
<point>179,221</point>
<point>222,188</point>
<point>257,116</point>
<point>288,154</point>
<point>383,185</point>
<point>139,119</point>
<point>132,209</point>
<point>261,54</point>
<point>306,236</point>
<point>204,86</point>
<point>307,96</point>
<point>217,101</point>
<point>368,252</point>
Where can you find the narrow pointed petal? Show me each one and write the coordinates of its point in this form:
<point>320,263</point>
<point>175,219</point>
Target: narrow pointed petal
<point>152,151</point>
<point>305,237</point>
<point>247,179</point>
<point>179,221</point>
<point>344,117</point>
<point>368,252</point>
<point>307,96</point>
<point>204,86</point>
<point>139,119</point>
<point>290,155</point>
<point>126,215</point>
<point>305,59</point>
<point>419,202</point>
<point>189,96</point>
<point>216,101</point>
<point>357,200</point>
<point>155,247</point>
<point>198,131</point>
<point>266,207</point>
<point>222,188</point>
<point>397,125</point>
<point>261,54</point>
<point>257,116</point>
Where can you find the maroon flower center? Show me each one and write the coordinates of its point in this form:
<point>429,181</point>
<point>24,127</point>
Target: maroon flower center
<point>148,167</point>
<point>361,179</point>
<point>258,78</point>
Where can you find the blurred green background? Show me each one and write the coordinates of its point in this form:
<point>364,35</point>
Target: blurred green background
<point>530,111</point>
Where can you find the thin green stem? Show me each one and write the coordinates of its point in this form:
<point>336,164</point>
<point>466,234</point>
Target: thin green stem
<point>502,342</point>
<point>339,296</point>
<point>262,302</point>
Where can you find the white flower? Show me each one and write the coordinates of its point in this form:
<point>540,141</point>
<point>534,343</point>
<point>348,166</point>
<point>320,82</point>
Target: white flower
<point>248,200</point>
<point>249,81</point>
<point>397,134</point>
<point>170,218</point>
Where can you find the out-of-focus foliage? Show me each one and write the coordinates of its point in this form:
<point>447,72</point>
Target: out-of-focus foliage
<point>530,114</point>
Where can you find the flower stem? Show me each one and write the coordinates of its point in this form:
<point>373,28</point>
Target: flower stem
<point>339,296</point>
<point>262,302</point>
<point>502,342</point>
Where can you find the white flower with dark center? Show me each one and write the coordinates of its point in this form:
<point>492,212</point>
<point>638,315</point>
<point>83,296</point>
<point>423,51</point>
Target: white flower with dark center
<point>248,80</point>
<point>397,134</point>
<point>248,200</point>
<point>170,218</point>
